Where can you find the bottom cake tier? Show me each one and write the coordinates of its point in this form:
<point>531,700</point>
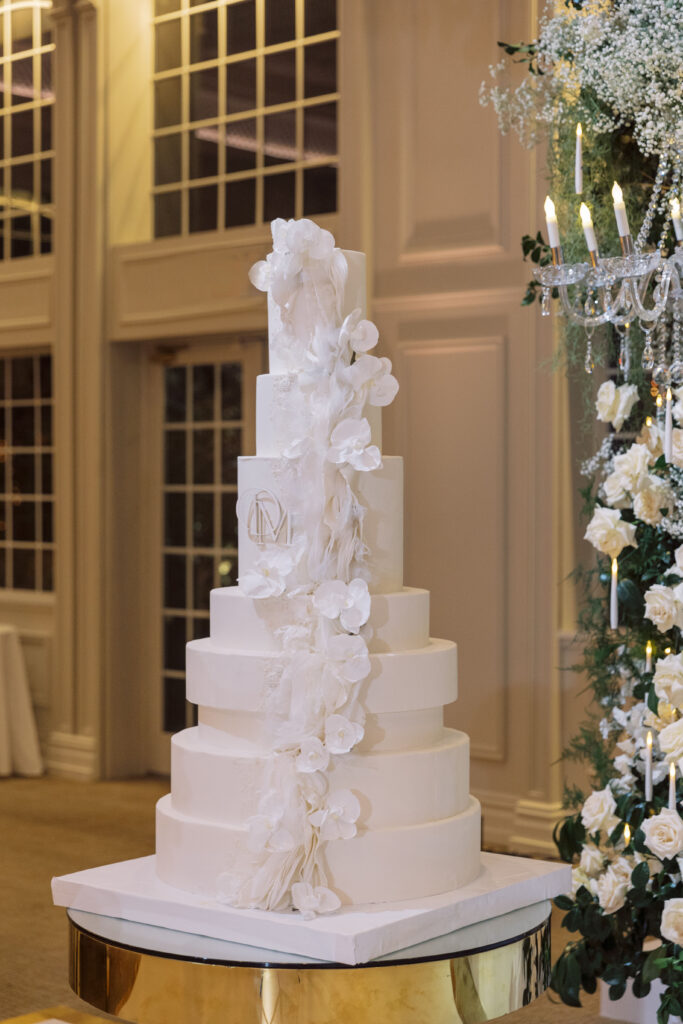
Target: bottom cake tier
<point>376,866</point>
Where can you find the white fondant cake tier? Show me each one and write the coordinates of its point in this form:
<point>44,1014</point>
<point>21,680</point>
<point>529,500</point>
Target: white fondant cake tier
<point>376,866</point>
<point>398,622</point>
<point>260,480</point>
<point>241,681</point>
<point>393,731</point>
<point>406,787</point>
<point>306,314</point>
<point>278,419</point>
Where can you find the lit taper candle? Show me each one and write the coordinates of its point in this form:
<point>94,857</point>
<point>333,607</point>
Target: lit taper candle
<point>553,230</point>
<point>668,426</point>
<point>578,161</point>
<point>676,219</point>
<point>648,766</point>
<point>672,786</point>
<point>589,233</point>
<point>627,835</point>
<point>613,602</point>
<point>648,656</point>
<point>622,220</point>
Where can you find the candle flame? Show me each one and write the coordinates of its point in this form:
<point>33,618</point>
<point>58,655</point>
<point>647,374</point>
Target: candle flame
<point>617,194</point>
<point>648,421</point>
<point>549,207</point>
<point>667,650</point>
<point>675,208</point>
<point>648,740</point>
<point>579,130</point>
<point>658,401</point>
<point>627,834</point>
<point>648,648</point>
<point>672,770</point>
<point>615,567</point>
<point>668,394</point>
<point>586,219</point>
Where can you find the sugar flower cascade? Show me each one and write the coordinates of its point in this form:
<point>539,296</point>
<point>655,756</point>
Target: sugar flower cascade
<point>315,709</point>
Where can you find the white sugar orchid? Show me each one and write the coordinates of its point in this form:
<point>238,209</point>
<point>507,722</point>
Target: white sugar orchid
<point>359,334</point>
<point>268,578</point>
<point>337,819</point>
<point>310,900</point>
<point>341,734</point>
<point>371,378</point>
<point>350,444</point>
<point>348,657</point>
<point>609,533</point>
<point>349,602</point>
<point>312,757</point>
<point>266,829</point>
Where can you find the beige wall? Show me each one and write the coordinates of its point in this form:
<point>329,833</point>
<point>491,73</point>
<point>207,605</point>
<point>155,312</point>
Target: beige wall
<point>438,201</point>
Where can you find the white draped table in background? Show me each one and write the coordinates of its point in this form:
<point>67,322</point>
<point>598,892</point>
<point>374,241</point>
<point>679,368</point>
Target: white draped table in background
<point>19,749</point>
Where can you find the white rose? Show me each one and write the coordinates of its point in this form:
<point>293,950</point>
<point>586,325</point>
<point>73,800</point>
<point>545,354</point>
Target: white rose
<point>607,401</point>
<point>579,878</point>
<point>633,465</point>
<point>608,532</point>
<point>592,860</point>
<point>611,891</point>
<point>598,812</point>
<point>661,607</point>
<point>668,679</point>
<point>671,926</point>
<point>671,740</point>
<point>651,436</point>
<point>615,490</point>
<point>627,396</point>
<point>677,447</point>
<point>678,555</point>
<point>651,499</point>
<point>664,834</point>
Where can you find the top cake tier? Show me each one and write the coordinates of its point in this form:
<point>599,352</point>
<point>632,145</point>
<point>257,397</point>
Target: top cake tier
<point>319,304</point>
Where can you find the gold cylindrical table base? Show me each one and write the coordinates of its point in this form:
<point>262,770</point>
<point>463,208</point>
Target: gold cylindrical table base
<point>467,987</point>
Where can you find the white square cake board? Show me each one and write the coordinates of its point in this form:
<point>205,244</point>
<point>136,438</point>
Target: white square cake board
<point>132,891</point>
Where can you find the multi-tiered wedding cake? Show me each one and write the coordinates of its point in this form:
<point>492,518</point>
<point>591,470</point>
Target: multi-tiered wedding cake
<point>320,772</point>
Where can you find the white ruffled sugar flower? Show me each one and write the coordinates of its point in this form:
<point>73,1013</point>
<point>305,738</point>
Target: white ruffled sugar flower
<point>313,899</point>
<point>609,533</point>
<point>361,335</point>
<point>614,404</point>
<point>348,656</point>
<point>664,834</point>
<point>349,602</point>
<point>661,607</point>
<point>341,734</point>
<point>296,244</point>
<point>633,466</point>
<point>671,926</point>
<point>268,577</point>
<point>668,679</point>
<point>671,740</point>
<point>652,497</point>
<point>592,860</point>
<point>266,829</point>
<point>337,819</point>
<point>350,443</point>
<point>599,812</point>
<point>611,889</point>
<point>312,757</point>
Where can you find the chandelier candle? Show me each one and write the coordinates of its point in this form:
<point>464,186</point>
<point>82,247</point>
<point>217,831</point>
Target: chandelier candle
<point>613,601</point>
<point>622,221</point>
<point>589,233</point>
<point>553,231</point>
<point>676,219</point>
<point>648,656</point>
<point>668,426</point>
<point>578,162</point>
<point>648,766</point>
<point>672,786</point>
<point>627,835</point>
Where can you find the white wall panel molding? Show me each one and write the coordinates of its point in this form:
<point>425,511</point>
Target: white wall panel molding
<point>454,302</point>
<point>27,303</point>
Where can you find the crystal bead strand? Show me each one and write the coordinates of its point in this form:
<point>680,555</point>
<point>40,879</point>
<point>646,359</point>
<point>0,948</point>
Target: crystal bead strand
<point>624,350</point>
<point>646,226</point>
<point>677,361</point>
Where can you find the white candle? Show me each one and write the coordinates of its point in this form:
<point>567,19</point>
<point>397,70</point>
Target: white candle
<point>676,219</point>
<point>648,766</point>
<point>613,604</point>
<point>578,161</point>
<point>648,656</point>
<point>589,233</point>
<point>672,786</point>
<point>668,426</point>
<point>551,223</point>
<point>620,211</point>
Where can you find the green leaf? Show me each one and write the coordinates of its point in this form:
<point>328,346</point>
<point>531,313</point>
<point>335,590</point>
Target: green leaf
<point>564,903</point>
<point>652,966</point>
<point>614,974</point>
<point>653,700</point>
<point>640,875</point>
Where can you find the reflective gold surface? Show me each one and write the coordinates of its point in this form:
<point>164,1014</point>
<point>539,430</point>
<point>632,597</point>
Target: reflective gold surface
<point>154,989</point>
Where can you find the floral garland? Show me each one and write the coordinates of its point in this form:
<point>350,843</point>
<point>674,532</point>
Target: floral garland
<point>314,700</point>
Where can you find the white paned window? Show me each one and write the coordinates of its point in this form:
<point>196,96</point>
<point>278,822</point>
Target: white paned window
<point>26,473</point>
<point>245,112</point>
<point>26,115</point>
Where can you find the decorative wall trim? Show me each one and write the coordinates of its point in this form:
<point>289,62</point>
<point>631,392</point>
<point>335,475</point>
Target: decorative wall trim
<point>519,825</point>
<point>72,756</point>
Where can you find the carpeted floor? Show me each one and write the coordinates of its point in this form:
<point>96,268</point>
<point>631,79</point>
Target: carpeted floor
<point>52,827</point>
